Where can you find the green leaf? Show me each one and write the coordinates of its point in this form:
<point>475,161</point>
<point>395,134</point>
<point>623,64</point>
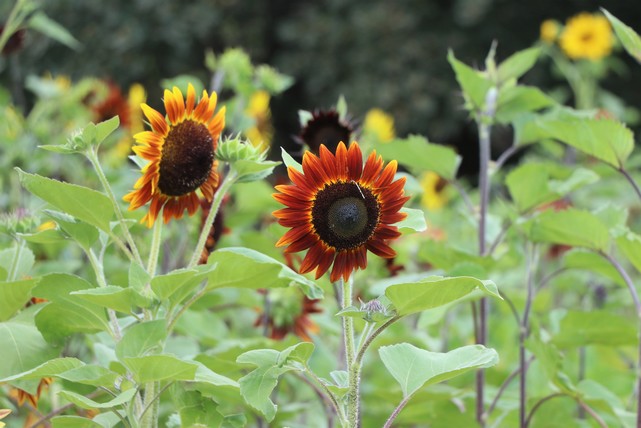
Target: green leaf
<point>112,297</point>
<point>446,257</point>
<point>434,291</point>
<point>533,184</point>
<point>250,170</point>
<point>105,129</point>
<point>630,245</point>
<point>256,387</point>
<point>93,375</point>
<point>605,139</point>
<point>551,361</point>
<point>14,295</point>
<point>73,422</point>
<point>419,155</point>
<point>473,83</point>
<point>65,313</point>
<point>415,220</point>
<point>152,368</point>
<point>246,268</point>
<point>289,161</point>
<point>571,227</point>
<point>25,260</point>
<point>516,100</point>
<point>414,368</point>
<point>49,368</point>
<point>142,338</point>
<point>176,285</point>
<point>23,349</point>
<point>595,328</point>
<point>629,38</point>
<point>80,202</point>
<point>590,261</point>
<point>518,64</point>
<point>43,24</point>
<point>84,234</point>
<point>87,403</point>
<point>47,236</point>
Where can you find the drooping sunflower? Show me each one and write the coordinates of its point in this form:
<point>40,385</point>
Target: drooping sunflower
<point>325,128</point>
<point>587,36</point>
<point>338,208</point>
<point>180,151</point>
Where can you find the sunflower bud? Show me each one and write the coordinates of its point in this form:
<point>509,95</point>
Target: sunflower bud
<point>246,160</point>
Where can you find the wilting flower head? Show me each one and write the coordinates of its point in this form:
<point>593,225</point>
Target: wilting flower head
<point>325,128</point>
<point>289,312</point>
<point>338,209</point>
<point>549,30</point>
<point>587,36</point>
<point>380,125</point>
<point>180,151</point>
<point>262,132</point>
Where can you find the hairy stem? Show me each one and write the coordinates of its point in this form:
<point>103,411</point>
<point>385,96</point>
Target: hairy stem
<point>353,369</point>
<point>396,411</point>
<point>215,206</point>
<point>323,391</point>
<point>92,155</point>
<point>100,278</point>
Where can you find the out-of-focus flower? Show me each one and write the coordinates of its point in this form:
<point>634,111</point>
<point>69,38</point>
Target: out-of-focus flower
<point>587,36</point>
<point>338,209</point>
<point>21,396</point>
<point>262,132</point>
<point>556,250</point>
<point>325,128</point>
<point>434,197</point>
<point>549,30</point>
<point>289,311</point>
<point>134,123</point>
<point>379,125</point>
<point>113,104</point>
<point>180,154</point>
<point>15,41</point>
<point>47,225</point>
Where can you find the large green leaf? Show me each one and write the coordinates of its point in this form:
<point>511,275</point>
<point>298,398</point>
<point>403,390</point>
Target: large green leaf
<point>551,361</point>
<point>176,285</point>
<point>87,403</point>
<point>418,154</point>
<point>23,348</point>
<point>608,140</point>
<point>153,368</point>
<point>14,295</point>
<point>533,184</point>
<point>434,291</point>
<point>414,368</point>
<point>95,375</point>
<point>142,338</point>
<point>246,268</point>
<point>415,220</point>
<point>113,297</point>
<point>518,64</point>
<point>80,202</point>
<point>629,38</point>
<point>593,262</point>
<point>516,100</point>
<point>473,83</point>
<point>74,422</point>
<point>18,259</point>
<point>66,313</point>
<point>595,328</point>
<point>256,387</point>
<point>83,233</point>
<point>49,368</point>
<point>569,227</point>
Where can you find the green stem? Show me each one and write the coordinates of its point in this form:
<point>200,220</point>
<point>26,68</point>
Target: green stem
<point>15,261</point>
<point>100,278</point>
<point>396,411</point>
<point>353,367</point>
<point>149,415</point>
<point>367,330</point>
<point>92,155</point>
<point>330,395</point>
<point>215,206</point>
<point>370,339</point>
<point>152,263</point>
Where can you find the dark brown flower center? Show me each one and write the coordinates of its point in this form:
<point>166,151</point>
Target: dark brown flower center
<point>325,128</point>
<point>186,159</point>
<point>345,215</point>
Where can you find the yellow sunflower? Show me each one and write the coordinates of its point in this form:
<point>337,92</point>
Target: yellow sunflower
<point>549,31</point>
<point>261,134</point>
<point>380,125</point>
<point>180,150</point>
<point>433,198</point>
<point>587,36</point>
<point>338,209</point>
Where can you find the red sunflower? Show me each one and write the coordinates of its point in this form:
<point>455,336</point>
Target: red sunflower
<point>180,150</point>
<point>338,208</point>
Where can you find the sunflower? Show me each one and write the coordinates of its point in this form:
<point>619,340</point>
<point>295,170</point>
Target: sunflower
<point>587,36</point>
<point>181,155</point>
<point>262,132</point>
<point>325,128</point>
<point>380,125</point>
<point>289,312</point>
<point>338,209</point>
<point>434,197</point>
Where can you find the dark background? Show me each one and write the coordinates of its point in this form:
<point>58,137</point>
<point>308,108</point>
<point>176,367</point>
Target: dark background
<point>387,54</point>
